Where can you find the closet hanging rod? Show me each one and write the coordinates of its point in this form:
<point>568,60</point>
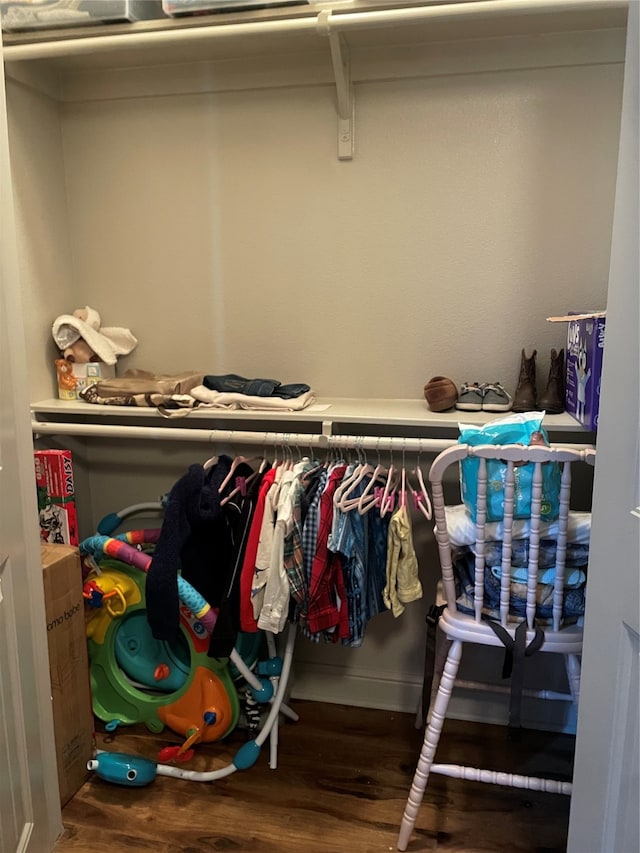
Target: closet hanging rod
<point>238,436</point>
<point>230,436</point>
<point>341,22</point>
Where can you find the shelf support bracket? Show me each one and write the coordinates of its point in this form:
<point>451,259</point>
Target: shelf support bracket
<point>344,90</point>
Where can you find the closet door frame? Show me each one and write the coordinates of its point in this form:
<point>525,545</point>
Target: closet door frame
<point>31,813</point>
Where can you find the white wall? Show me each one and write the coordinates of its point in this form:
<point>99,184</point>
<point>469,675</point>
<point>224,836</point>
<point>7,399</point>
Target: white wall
<point>221,228</point>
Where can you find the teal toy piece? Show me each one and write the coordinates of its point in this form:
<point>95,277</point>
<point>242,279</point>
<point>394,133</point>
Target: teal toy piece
<point>152,663</point>
<point>122,769</point>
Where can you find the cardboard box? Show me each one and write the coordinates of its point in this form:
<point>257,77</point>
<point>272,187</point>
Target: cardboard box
<point>68,665</point>
<point>56,497</point>
<point>585,348</point>
<point>74,378</point>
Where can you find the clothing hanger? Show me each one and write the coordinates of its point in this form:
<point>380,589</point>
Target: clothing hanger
<point>368,500</point>
<point>369,497</point>
<point>316,465</point>
<point>264,463</point>
<point>348,480</point>
<point>345,503</point>
<point>422,499</point>
<point>402,495</point>
<point>388,495</point>
<point>238,460</point>
<point>402,501</point>
<point>388,500</point>
<point>213,460</point>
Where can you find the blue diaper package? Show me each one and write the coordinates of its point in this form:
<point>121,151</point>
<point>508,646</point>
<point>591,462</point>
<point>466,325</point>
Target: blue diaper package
<point>513,429</point>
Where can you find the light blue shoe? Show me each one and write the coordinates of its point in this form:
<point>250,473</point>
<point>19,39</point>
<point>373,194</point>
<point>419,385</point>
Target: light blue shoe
<point>496,398</point>
<point>471,397</point>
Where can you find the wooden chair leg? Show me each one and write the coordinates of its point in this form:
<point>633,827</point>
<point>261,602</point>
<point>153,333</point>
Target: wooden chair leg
<point>430,743</point>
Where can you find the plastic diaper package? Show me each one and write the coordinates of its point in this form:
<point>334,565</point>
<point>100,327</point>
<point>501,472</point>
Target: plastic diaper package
<point>513,429</point>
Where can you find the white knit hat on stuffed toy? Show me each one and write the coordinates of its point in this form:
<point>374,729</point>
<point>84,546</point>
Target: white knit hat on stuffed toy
<point>107,342</point>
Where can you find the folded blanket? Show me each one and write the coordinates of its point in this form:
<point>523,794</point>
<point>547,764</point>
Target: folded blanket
<point>462,530</point>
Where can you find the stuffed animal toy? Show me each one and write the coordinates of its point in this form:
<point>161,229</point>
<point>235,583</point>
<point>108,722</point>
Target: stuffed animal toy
<point>66,380</point>
<point>81,339</point>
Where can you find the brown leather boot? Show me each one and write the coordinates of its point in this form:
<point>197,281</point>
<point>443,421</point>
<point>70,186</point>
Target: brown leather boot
<point>525,399</point>
<point>552,401</point>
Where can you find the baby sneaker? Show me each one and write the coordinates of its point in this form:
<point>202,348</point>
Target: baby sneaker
<point>496,398</point>
<point>470,397</point>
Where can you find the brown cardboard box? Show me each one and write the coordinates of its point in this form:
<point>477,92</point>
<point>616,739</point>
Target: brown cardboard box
<point>68,665</point>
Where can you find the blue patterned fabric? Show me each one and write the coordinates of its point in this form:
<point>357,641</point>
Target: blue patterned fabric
<point>464,569</point>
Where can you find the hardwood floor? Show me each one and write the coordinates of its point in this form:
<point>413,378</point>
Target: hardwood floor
<point>340,787</point>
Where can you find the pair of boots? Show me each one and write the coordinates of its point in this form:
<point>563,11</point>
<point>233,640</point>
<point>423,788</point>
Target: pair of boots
<point>526,396</point>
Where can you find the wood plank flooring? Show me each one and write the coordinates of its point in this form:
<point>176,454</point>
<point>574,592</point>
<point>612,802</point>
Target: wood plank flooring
<point>340,787</point>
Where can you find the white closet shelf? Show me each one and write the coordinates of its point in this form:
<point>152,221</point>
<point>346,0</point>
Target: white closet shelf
<point>326,417</point>
<point>334,30</point>
<point>268,31</point>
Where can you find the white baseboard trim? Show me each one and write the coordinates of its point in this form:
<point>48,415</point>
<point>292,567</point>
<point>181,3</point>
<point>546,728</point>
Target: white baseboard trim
<point>326,683</point>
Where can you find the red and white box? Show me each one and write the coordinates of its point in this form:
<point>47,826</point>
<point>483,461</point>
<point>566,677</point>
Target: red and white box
<point>56,497</point>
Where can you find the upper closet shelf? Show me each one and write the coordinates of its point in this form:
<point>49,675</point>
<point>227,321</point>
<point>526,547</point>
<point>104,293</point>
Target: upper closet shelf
<point>334,30</point>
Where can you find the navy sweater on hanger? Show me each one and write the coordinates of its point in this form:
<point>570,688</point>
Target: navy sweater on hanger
<point>194,538</point>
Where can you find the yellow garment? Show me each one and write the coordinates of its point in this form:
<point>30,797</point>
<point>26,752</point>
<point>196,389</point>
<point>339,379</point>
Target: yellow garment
<point>403,584</point>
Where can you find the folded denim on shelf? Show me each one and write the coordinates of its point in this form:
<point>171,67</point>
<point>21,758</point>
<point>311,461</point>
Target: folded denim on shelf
<point>232,383</point>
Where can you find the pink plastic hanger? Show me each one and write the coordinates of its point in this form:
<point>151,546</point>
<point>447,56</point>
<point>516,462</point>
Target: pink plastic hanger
<point>423,501</point>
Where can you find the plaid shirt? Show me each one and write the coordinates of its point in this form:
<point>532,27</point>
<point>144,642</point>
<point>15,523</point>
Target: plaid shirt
<point>309,544</point>
<point>325,602</point>
<point>293,556</point>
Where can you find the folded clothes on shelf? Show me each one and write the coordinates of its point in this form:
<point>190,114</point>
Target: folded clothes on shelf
<point>229,400</point>
<point>235,384</point>
<point>189,390</point>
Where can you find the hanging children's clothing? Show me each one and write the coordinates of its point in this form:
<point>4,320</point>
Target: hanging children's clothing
<point>192,522</point>
<point>290,543</point>
<point>248,621</point>
<point>403,584</point>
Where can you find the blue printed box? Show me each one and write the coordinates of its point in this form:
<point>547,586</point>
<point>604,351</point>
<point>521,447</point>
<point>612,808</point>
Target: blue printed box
<point>585,348</point>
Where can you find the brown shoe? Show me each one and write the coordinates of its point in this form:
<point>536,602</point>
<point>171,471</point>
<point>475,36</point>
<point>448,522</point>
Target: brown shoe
<point>552,401</point>
<point>525,399</point>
